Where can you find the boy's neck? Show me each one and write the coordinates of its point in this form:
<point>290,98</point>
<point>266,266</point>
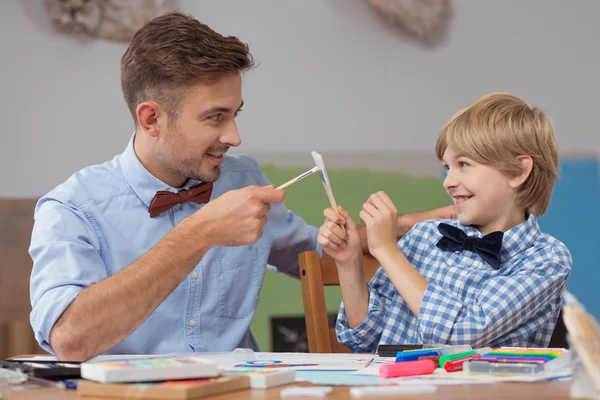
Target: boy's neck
<point>504,223</point>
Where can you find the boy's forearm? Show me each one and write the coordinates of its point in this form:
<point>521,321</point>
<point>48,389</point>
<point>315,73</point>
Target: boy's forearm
<point>355,294</point>
<point>405,278</point>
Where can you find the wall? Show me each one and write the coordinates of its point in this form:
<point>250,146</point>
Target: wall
<point>332,77</point>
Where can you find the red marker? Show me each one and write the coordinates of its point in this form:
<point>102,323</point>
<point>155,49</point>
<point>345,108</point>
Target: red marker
<point>457,365</point>
<point>407,368</point>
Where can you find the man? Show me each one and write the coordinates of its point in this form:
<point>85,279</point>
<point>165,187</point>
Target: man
<point>131,256</point>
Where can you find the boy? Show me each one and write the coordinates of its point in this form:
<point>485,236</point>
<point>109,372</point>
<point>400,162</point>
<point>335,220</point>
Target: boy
<point>488,278</point>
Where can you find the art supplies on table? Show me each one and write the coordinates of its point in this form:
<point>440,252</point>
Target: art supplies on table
<point>462,355</point>
<point>415,355</point>
<point>181,389</point>
<point>530,360</point>
<point>392,390</point>
<point>412,355</point>
<point>100,358</point>
<point>457,365</point>
<point>10,376</point>
<point>516,362</point>
<point>306,391</point>
<point>241,354</point>
<point>15,382</point>
<point>501,368</point>
<point>266,378</point>
<point>45,370</point>
<point>391,350</point>
<point>407,368</point>
<point>145,370</point>
<point>435,359</point>
<point>270,364</point>
<point>351,364</point>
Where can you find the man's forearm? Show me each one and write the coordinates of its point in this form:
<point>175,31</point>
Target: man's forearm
<point>104,314</point>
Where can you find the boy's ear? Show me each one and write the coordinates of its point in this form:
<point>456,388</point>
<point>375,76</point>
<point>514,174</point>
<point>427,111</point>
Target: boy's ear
<point>526,167</point>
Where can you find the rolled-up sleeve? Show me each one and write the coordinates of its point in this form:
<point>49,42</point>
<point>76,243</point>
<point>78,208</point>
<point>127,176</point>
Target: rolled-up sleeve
<point>66,259</point>
<point>366,336</point>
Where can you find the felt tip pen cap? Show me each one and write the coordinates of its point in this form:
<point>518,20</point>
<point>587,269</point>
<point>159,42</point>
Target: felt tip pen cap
<point>457,356</point>
<point>408,368</point>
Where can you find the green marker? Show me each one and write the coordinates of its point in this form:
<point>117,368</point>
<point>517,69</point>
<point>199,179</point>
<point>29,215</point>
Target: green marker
<point>451,357</point>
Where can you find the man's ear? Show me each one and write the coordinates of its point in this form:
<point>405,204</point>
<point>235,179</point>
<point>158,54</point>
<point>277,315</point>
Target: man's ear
<point>148,114</point>
<point>526,167</point>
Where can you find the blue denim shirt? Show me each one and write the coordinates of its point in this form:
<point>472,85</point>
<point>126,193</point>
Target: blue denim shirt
<point>97,223</point>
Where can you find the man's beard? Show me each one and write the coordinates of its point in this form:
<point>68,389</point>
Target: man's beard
<point>188,167</point>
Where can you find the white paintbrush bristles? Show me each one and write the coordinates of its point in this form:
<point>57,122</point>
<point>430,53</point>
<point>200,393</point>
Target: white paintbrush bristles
<point>325,179</point>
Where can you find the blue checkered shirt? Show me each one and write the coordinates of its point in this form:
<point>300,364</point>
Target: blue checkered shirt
<point>467,301</point>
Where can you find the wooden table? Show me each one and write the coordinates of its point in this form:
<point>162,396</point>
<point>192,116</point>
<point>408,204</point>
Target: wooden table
<point>512,391</point>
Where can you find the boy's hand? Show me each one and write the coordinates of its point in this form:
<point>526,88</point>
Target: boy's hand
<point>338,237</point>
<point>381,219</point>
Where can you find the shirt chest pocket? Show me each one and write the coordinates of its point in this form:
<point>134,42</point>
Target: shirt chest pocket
<point>239,281</point>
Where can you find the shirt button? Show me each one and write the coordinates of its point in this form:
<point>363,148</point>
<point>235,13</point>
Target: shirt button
<point>194,274</point>
<point>192,322</point>
<point>457,252</point>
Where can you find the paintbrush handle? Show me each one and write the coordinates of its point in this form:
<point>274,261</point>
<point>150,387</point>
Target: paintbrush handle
<point>299,177</point>
<point>288,183</point>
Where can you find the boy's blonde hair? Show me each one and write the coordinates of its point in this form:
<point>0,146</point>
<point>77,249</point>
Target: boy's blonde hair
<point>498,128</point>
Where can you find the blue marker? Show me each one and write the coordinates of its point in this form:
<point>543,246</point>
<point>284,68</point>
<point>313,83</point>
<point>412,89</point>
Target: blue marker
<point>414,355</point>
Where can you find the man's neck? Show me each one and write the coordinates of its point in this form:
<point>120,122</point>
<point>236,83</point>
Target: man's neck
<point>146,156</point>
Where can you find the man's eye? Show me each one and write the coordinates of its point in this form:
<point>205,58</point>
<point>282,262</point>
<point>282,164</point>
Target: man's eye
<point>237,112</point>
<point>216,117</point>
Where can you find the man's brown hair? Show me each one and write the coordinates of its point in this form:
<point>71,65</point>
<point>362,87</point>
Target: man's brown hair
<point>172,53</point>
<point>498,128</point>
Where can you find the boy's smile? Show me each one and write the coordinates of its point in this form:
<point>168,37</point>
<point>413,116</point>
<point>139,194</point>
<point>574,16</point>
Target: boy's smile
<point>460,200</point>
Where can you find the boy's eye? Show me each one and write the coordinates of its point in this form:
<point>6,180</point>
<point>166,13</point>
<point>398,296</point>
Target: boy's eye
<point>216,117</point>
<point>463,164</point>
<point>446,167</point>
<point>237,112</point>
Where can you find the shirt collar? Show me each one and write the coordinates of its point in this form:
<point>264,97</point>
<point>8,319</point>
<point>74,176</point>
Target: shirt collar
<point>516,239</point>
<point>142,182</point>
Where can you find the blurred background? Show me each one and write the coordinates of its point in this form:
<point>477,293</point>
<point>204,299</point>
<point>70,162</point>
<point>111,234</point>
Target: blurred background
<point>368,91</point>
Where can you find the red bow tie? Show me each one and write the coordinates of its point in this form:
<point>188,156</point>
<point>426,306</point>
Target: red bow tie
<point>164,200</point>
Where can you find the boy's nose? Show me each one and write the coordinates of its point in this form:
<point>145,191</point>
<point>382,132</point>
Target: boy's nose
<point>450,181</point>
